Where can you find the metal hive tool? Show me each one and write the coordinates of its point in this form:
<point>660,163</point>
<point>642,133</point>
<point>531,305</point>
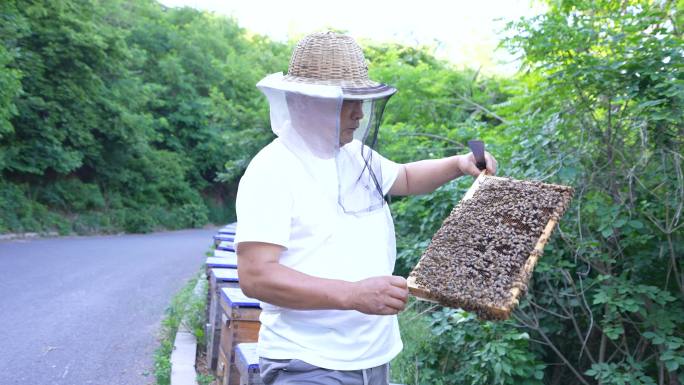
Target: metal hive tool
<point>482,257</point>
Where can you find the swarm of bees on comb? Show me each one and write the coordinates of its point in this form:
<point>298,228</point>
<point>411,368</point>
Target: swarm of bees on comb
<point>482,257</point>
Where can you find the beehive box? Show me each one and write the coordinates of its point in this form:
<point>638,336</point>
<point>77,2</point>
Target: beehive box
<point>247,364</point>
<point>222,368</point>
<point>482,257</point>
<point>227,262</point>
<point>239,323</point>
<point>218,279</point>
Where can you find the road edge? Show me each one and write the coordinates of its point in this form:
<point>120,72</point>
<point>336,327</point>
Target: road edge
<point>183,371</point>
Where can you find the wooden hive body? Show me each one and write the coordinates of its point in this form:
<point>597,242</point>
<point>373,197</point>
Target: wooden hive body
<point>239,323</point>
<point>219,278</point>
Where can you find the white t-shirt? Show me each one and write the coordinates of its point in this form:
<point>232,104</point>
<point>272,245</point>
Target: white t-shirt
<point>279,201</point>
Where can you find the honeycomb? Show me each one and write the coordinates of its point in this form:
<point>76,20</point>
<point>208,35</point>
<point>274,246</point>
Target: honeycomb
<point>482,257</point>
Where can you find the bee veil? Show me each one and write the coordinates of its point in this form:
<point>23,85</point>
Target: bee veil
<point>326,109</point>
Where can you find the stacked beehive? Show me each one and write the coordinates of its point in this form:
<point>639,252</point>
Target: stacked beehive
<point>233,327</point>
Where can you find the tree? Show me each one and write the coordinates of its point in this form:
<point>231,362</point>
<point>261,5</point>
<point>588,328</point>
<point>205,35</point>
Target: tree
<point>607,117</point>
<point>138,106</point>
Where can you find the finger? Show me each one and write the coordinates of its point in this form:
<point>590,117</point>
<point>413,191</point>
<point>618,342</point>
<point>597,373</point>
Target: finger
<point>400,294</point>
<point>490,162</point>
<point>387,311</point>
<point>395,305</point>
<point>398,281</point>
<point>470,169</point>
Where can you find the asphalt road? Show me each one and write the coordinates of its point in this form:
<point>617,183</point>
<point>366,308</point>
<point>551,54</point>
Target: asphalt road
<point>87,310</point>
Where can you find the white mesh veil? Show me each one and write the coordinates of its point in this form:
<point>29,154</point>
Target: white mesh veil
<point>328,122</point>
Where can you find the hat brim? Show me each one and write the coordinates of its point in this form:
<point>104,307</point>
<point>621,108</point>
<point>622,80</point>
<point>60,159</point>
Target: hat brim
<point>378,92</point>
<point>353,90</point>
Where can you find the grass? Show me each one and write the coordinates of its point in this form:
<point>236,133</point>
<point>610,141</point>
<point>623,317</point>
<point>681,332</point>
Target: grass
<point>187,307</point>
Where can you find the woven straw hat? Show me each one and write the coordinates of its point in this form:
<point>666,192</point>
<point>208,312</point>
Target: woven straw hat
<point>328,58</point>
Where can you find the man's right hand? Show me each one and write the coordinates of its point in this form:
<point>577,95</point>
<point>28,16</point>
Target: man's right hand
<point>384,295</point>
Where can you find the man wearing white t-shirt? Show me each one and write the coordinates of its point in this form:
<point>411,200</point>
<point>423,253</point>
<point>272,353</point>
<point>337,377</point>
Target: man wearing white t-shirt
<point>315,238</point>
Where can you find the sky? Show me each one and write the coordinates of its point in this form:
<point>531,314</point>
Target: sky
<point>464,32</point>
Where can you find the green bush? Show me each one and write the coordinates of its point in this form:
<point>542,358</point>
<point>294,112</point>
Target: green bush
<point>71,195</point>
<point>191,215</point>
<point>138,221</point>
<point>449,346</point>
<point>220,211</point>
<point>19,213</point>
<point>600,106</point>
<point>95,222</point>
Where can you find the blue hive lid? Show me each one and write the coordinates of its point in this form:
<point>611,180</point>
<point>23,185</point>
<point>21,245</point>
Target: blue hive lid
<point>224,237</point>
<point>225,254</point>
<point>222,262</point>
<point>226,230</point>
<point>226,246</point>
<point>225,275</point>
<point>235,297</point>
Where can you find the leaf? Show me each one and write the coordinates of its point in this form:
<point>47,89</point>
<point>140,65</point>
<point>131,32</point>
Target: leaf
<point>613,331</point>
<point>607,232</point>
<point>649,335</point>
<point>651,103</point>
<point>674,343</point>
<point>521,336</point>
<point>672,365</point>
<point>601,297</point>
<point>636,224</point>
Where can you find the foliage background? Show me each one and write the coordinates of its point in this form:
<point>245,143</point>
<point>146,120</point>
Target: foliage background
<point>126,116</point>
<point>123,115</point>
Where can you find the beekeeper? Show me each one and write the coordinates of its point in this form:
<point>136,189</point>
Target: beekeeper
<point>315,238</point>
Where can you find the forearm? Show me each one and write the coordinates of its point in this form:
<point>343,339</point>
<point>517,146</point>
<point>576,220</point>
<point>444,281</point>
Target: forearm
<point>264,278</point>
<point>282,286</point>
<point>426,176</point>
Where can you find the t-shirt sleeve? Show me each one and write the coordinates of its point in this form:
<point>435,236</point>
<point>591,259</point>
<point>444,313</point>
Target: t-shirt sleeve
<point>263,205</point>
<point>390,171</point>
